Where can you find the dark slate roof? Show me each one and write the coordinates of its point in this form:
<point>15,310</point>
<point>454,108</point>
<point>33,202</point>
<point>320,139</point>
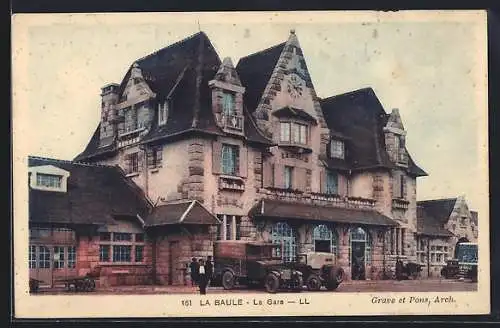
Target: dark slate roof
<point>188,212</point>
<point>95,195</point>
<point>360,117</point>
<point>274,209</point>
<point>439,209</point>
<point>432,215</point>
<point>181,72</point>
<point>255,70</point>
<point>93,149</point>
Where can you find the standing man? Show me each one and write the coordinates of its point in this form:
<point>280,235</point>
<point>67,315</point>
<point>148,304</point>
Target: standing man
<point>202,278</point>
<point>210,270</point>
<point>193,266</point>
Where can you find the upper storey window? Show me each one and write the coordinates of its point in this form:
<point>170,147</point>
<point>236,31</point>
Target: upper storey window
<point>228,104</point>
<point>337,149</point>
<point>293,133</point>
<point>162,113</point>
<point>230,159</point>
<point>48,180</point>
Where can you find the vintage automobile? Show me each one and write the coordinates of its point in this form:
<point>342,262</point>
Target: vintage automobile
<point>253,264</point>
<point>318,269</point>
<point>464,265</point>
<point>410,270</point>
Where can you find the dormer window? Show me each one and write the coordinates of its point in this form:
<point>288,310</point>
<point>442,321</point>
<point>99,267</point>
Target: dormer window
<point>337,149</point>
<point>48,180</point>
<point>162,113</point>
<point>228,104</point>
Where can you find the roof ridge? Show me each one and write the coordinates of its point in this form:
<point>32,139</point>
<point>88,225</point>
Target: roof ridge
<point>192,36</point>
<point>69,161</point>
<point>348,93</point>
<point>260,51</point>
<point>437,199</point>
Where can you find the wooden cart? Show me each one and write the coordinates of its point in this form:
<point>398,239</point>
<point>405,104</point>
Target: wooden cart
<point>84,283</point>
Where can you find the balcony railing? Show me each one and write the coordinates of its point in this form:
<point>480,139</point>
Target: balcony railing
<point>234,122</point>
<point>320,199</point>
<point>401,204</point>
<point>231,183</point>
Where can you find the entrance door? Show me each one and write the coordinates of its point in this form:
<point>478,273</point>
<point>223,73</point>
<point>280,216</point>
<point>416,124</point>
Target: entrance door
<point>175,276</point>
<point>358,260</point>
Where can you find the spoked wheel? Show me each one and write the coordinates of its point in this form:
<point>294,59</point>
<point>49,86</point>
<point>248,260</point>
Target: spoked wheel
<point>272,283</point>
<point>313,283</point>
<point>228,280</point>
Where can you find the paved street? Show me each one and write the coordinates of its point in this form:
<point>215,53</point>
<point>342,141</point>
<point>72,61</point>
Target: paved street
<point>437,285</point>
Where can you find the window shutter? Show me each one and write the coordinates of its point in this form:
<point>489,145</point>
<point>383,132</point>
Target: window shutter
<point>267,174</point>
<point>243,165</point>
<point>279,176</point>
<point>299,178</point>
<point>396,189</point>
<point>216,157</point>
<point>322,181</point>
<point>404,186</point>
<point>236,153</point>
<point>140,160</point>
<point>159,155</point>
<point>342,185</point>
<point>127,164</point>
<point>150,158</point>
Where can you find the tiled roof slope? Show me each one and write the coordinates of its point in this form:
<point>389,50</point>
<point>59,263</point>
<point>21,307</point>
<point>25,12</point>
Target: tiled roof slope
<point>432,215</point>
<point>180,71</point>
<point>95,195</point>
<point>255,71</point>
<point>360,117</point>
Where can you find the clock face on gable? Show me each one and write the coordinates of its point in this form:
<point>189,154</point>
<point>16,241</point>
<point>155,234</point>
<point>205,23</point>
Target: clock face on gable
<point>295,86</point>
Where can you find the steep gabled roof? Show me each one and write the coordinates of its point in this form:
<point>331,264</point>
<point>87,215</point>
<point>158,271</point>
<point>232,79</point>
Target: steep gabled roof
<point>255,70</point>
<point>440,209</point>
<point>359,116</point>
<point>95,195</point>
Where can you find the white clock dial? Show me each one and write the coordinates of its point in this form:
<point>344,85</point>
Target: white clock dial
<point>295,86</point>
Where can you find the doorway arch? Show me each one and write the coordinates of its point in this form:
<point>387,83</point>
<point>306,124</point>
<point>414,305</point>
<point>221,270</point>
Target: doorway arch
<point>324,239</point>
<point>360,247</point>
<point>460,240</point>
<point>284,235</point>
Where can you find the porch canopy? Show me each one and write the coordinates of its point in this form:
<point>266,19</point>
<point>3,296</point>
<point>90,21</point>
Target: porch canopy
<point>189,212</point>
<point>275,209</point>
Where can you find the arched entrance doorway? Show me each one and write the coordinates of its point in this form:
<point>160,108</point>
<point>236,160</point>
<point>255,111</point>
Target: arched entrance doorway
<point>360,247</point>
<point>324,239</point>
<point>284,235</point>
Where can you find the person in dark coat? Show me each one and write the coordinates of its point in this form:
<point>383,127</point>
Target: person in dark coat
<point>209,266</point>
<point>202,277</point>
<point>193,267</point>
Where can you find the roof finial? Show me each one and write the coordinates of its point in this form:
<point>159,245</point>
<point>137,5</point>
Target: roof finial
<point>292,31</point>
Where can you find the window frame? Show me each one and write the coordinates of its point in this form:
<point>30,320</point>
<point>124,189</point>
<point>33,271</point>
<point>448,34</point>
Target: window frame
<point>233,160</point>
<point>337,149</point>
<point>294,133</point>
<point>54,180</point>
<point>108,250</point>
<point>163,109</point>
<point>231,110</point>
<point>288,177</point>
<point>227,221</point>
<point>329,175</point>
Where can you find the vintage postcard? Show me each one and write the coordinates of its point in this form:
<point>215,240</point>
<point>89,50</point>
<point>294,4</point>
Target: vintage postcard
<point>250,164</point>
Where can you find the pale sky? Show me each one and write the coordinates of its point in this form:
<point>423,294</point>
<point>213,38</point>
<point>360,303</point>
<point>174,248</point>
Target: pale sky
<point>433,68</point>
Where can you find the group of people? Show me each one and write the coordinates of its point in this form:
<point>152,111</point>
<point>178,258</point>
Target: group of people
<point>201,272</point>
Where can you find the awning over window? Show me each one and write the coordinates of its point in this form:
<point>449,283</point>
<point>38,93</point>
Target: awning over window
<point>187,212</point>
<point>274,209</point>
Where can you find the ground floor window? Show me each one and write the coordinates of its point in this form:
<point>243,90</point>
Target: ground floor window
<point>41,257</point>
<point>439,254</point>
<point>324,239</point>
<point>121,247</point>
<point>284,235</point>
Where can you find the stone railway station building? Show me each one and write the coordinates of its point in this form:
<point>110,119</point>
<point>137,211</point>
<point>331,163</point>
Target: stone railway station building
<point>190,149</point>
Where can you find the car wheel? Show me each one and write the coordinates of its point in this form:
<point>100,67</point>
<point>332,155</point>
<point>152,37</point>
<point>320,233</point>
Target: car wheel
<point>228,280</point>
<point>336,275</point>
<point>272,283</point>
<point>313,283</point>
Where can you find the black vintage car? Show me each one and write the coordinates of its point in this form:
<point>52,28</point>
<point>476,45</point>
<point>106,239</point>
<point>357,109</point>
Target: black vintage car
<point>410,270</point>
<point>253,264</point>
<point>318,269</point>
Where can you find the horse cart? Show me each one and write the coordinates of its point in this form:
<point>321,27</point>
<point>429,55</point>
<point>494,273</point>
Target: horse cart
<point>84,283</point>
